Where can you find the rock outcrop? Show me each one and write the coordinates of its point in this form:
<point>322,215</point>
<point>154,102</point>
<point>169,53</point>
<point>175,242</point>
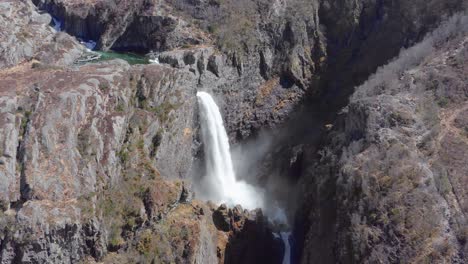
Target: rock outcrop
<point>248,237</point>
<point>80,145</point>
<point>123,25</point>
<point>79,131</point>
<point>390,182</point>
<point>26,35</point>
<point>282,64</point>
<point>97,159</point>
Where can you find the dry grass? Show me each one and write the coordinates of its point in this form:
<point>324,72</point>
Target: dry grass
<point>265,90</point>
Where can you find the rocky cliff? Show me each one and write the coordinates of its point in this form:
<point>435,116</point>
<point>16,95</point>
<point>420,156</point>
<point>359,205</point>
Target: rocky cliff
<point>97,160</point>
<point>389,185</point>
<point>26,34</point>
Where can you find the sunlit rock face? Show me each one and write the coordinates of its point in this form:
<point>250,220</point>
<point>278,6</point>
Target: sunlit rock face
<point>71,134</point>
<point>26,34</point>
<point>97,159</point>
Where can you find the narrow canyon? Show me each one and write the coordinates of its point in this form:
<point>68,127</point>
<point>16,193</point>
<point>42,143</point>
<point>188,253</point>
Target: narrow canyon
<point>233,131</point>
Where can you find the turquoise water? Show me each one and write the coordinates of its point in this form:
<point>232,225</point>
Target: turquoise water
<point>131,58</point>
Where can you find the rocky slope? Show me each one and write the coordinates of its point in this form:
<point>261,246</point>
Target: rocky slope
<point>390,183</point>
<point>69,133</point>
<point>97,160</point>
<point>281,65</point>
<point>26,34</point>
<point>274,53</point>
<point>140,25</point>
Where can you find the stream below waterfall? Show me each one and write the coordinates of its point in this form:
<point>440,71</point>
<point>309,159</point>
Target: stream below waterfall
<point>285,236</point>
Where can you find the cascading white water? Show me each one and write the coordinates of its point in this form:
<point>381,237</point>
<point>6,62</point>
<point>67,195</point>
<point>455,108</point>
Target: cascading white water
<point>154,61</point>
<point>287,251</point>
<point>278,217</point>
<point>223,187</point>
<point>90,44</point>
<point>57,24</point>
<point>221,178</point>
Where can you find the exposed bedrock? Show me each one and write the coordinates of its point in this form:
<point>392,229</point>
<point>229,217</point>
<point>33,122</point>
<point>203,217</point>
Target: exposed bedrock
<point>289,49</point>
<point>96,160</point>
<point>385,187</point>
<point>139,26</point>
<point>76,134</point>
<point>249,236</point>
<point>26,35</point>
<point>369,34</point>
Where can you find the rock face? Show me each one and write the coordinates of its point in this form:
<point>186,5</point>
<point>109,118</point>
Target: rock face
<point>96,160</point>
<point>270,54</point>
<point>273,58</point>
<point>80,147</point>
<point>368,34</point>
<point>26,35</point>
<point>80,131</point>
<point>249,237</point>
<point>140,25</point>
<point>282,63</point>
<point>57,126</point>
<point>247,100</point>
<point>93,20</point>
<point>391,178</point>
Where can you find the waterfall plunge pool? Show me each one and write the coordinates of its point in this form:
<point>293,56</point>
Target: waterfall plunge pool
<point>93,56</point>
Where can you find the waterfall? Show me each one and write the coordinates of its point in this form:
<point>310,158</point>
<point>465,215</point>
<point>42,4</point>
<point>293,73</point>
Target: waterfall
<point>57,24</point>
<point>154,61</point>
<point>277,217</point>
<point>220,174</point>
<point>287,247</point>
<point>90,44</point>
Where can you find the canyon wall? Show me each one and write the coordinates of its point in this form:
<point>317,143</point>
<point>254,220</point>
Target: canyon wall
<point>97,160</point>
<point>388,185</point>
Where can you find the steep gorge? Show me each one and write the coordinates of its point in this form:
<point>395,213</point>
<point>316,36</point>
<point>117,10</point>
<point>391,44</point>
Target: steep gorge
<point>99,159</point>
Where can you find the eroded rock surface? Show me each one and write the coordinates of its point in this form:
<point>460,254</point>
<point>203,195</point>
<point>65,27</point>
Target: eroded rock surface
<point>247,235</point>
<point>96,159</point>
<point>26,34</point>
<point>123,25</point>
<point>391,176</point>
<point>71,135</point>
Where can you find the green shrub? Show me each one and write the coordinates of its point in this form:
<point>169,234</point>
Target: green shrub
<point>36,65</point>
<point>212,29</point>
<point>120,107</point>
<point>25,121</point>
<point>186,46</point>
<point>115,239</point>
<point>103,87</point>
<point>141,144</point>
<point>123,155</point>
<point>443,102</point>
<point>443,184</point>
<point>163,110</point>
<point>145,243</point>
